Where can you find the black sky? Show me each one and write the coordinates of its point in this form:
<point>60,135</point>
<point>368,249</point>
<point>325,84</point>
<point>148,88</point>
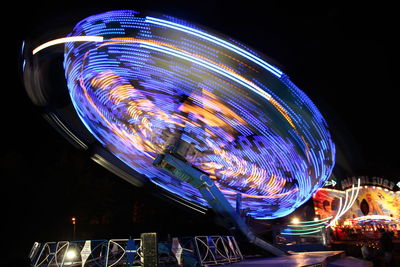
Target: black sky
<point>342,56</point>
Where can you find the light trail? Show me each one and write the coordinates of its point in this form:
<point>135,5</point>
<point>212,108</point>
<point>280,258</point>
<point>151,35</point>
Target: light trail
<point>67,40</point>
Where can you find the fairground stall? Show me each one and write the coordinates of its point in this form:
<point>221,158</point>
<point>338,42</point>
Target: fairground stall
<point>361,210</point>
<point>352,211</point>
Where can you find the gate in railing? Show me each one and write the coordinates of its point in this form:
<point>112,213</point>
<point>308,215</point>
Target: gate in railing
<point>215,250</point>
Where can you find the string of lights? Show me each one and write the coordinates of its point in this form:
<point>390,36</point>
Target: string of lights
<point>375,218</point>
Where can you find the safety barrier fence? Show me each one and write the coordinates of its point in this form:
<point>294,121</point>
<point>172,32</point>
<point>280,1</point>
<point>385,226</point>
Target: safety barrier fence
<point>108,253</point>
<point>215,250</point>
<point>198,250</point>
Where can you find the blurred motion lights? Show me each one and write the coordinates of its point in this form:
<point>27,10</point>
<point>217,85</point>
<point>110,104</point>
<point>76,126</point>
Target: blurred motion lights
<point>66,40</point>
<point>305,227</point>
<point>140,84</point>
<point>348,203</point>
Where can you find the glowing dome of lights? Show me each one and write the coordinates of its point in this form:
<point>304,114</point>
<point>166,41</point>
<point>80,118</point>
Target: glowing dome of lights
<point>146,80</point>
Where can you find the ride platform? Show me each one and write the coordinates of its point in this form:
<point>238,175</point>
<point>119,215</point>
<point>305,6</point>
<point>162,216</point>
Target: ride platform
<point>315,258</point>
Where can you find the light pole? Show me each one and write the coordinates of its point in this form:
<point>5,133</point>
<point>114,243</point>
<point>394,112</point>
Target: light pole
<point>73,219</point>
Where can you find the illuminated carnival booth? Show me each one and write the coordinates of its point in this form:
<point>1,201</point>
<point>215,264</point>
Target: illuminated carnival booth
<point>360,212</point>
<point>356,213</point>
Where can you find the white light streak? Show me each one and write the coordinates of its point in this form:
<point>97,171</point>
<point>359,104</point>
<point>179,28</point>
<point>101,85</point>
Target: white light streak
<point>348,203</point>
<point>210,66</point>
<point>67,40</point>
<point>216,40</point>
<point>337,214</point>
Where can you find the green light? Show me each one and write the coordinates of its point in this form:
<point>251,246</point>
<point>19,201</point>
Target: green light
<point>314,224</point>
<point>306,233</point>
<point>311,223</point>
<point>308,229</point>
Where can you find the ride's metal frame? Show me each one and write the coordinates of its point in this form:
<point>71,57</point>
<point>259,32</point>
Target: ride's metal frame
<point>171,162</point>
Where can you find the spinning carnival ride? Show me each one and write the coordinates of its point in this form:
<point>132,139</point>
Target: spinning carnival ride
<point>200,115</point>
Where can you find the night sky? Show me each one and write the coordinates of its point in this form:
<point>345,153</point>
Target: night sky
<point>343,57</point>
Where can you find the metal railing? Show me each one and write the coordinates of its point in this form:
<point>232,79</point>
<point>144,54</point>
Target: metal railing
<point>206,250</point>
<point>215,250</point>
<point>89,253</point>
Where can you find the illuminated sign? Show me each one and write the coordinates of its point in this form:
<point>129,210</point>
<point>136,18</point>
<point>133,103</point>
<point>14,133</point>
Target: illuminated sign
<point>365,180</point>
<point>331,183</point>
